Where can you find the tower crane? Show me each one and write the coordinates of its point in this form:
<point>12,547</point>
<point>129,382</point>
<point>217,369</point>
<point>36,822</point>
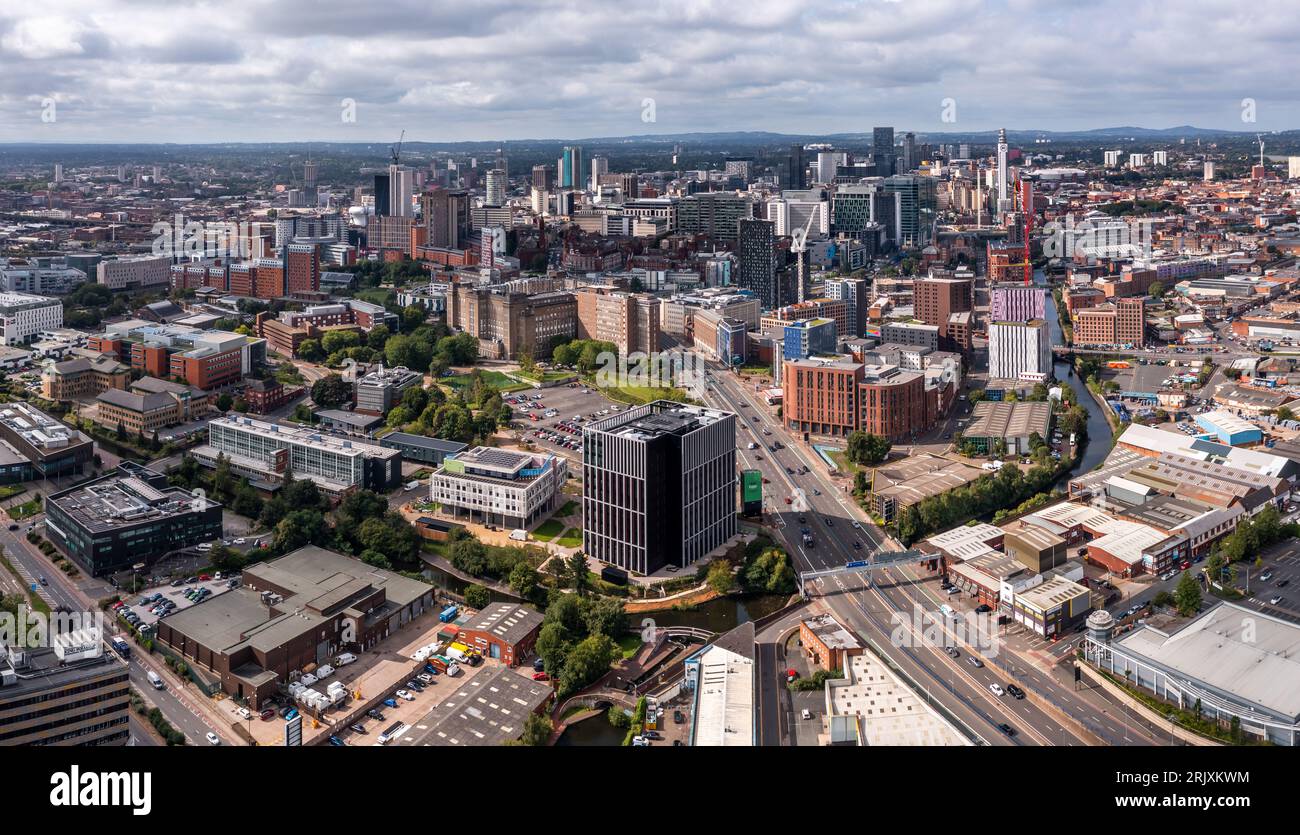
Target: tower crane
<point>799,247</point>
<point>396,150</point>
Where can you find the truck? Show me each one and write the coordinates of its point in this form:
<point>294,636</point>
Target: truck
<point>449,614</point>
<point>122,648</point>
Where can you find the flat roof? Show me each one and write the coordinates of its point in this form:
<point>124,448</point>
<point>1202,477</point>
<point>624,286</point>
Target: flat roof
<point>831,632</point>
<point>1214,650</point>
<point>422,441</point>
<point>117,501</point>
<point>873,706</point>
<point>1051,593</point>
<point>489,709</point>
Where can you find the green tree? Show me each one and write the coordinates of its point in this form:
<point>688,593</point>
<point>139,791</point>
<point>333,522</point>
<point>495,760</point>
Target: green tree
<point>476,596</point>
<point>867,449</point>
<point>224,402</point>
<point>524,580</point>
<point>578,573</point>
<point>588,661</point>
<point>375,558</point>
<point>537,731</point>
<point>1187,595</point>
<point>719,576</point>
<point>299,528</point>
<point>331,392</point>
<point>311,350</point>
<point>605,616</point>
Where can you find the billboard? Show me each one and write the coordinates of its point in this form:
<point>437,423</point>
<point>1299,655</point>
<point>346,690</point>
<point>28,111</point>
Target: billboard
<point>751,492</point>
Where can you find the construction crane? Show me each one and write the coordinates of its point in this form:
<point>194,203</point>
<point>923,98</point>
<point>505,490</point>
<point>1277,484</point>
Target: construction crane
<point>1259,137</point>
<point>1026,264</point>
<point>798,248</point>
<point>396,150</point>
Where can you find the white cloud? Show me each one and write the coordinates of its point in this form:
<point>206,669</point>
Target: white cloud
<point>170,70</point>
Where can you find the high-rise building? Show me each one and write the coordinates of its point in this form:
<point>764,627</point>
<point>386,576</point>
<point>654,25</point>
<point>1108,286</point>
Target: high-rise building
<point>400,187</point>
<point>917,206</point>
<point>855,293</point>
<point>756,269</point>
<point>309,174</point>
<point>715,214</point>
<point>910,159</point>
<point>882,151</point>
<point>936,298</point>
<point>659,485</point>
<point>1119,322</point>
<point>569,168</point>
<point>302,268</point>
<point>1208,173</point>
<point>855,208</point>
<point>542,177</point>
<point>496,187</point>
<point>1016,303</point>
<point>1112,159</point>
<point>1019,350</point>
<point>1159,157</point>
<point>807,209</point>
<point>796,168</point>
<point>599,168</point>
<point>73,692</point>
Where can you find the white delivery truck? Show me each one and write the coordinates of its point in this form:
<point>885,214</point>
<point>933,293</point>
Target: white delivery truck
<point>155,680</point>
<point>345,659</point>
<point>519,535</point>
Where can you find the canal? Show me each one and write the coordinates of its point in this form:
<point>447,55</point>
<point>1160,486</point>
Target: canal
<point>1099,433</point>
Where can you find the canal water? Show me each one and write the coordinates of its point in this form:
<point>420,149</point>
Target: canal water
<point>721,614</point>
<point>1099,433</point>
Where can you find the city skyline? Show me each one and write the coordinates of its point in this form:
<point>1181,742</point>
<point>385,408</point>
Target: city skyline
<point>286,71</point>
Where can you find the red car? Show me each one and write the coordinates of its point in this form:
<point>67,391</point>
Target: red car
<point>203,578</point>
<point>1185,565</point>
<point>541,677</point>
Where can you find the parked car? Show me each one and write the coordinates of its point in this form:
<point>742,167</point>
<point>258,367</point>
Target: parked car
<point>244,713</point>
<point>267,715</point>
<point>541,677</point>
<point>375,714</point>
<point>405,694</point>
<point>212,739</point>
<point>358,728</point>
<point>390,702</point>
<point>336,742</point>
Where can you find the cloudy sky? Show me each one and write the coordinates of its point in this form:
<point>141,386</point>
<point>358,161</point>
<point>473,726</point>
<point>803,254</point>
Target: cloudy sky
<point>284,70</point>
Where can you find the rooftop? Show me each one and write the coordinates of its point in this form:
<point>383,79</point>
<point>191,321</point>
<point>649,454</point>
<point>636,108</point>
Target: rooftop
<point>508,622</point>
<point>489,709</point>
<point>1214,649</point>
<point>115,501</point>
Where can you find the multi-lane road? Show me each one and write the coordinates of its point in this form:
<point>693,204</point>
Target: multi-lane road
<point>871,609</point>
<point>60,592</point>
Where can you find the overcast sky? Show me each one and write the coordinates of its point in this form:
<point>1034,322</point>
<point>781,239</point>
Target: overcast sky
<point>280,70</point>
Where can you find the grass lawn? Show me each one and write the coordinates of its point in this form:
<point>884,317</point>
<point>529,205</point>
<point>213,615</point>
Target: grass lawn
<point>548,530</point>
<point>495,379</point>
<point>569,509</point>
<point>572,538</point>
<point>629,644</point>
<point>375,295</point>
<point>546,376</point>
<point>10,490</point>
<point>28,508</point>
<point>842,462</point>
<point>640,395</point>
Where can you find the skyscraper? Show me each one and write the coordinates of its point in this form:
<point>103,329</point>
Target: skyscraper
<point>569,169</point>
<point>658,485</point>
<point>599,167</point>
<point>918,203</point>
<point>496,187</point>
<point>541,178</point>
<point>882,151</point>
<point>400,186</point>
<point>796,165</point>
<point>756,269</point>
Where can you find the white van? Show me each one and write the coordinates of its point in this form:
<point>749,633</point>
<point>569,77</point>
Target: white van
<point>947,610</point>
<point>519,535</point>
<point>411,485</point>
<point>155,680</point>
<point>345,659</point>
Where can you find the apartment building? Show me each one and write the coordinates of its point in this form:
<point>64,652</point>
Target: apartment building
<point>1119,322</point>
<point>24,317</point>
<point>1020,350</point>
<point>134,273</point>
<point>659,485</point>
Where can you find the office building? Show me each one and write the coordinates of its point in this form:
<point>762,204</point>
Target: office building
<point>1020,350</point>
<point>507,319</point>
<point>659,485</point>
<point>855,294</point>
<point>420,448</point>
<point>809,337</point>
<point>83,377</point>
<point>935,298</point>
<point>629,320</point>
<point>150,404</point>
<point>912,334</point>
<point>207,359</point>
<point>265,452</point>
<point>569,168</point>
<point>883,153</point>
<point>34,445</point>
<point>24,317</point>
<point>917,207</point>
<point>40,276</point>
<point>496,187</point>
<point>72,693</point>
<point>381,390</point>
<point>499,487</point>
<point>796,168</point>
<point>131,516</point>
